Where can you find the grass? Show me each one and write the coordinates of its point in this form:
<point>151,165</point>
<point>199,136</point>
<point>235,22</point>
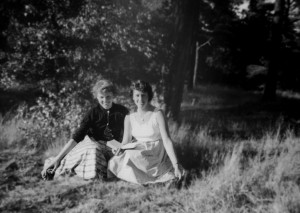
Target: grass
<point>242,156</point>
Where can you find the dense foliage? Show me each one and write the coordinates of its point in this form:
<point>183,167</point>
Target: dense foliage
<point>69,40</point>
<point>65,45</point>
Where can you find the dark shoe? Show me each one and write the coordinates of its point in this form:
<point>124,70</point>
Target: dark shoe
<point>182,180</point>
<point>111,179</point>
<point>49,175</point>
<point>177,183</point>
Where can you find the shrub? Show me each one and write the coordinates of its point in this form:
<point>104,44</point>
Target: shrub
<point>51,117</point>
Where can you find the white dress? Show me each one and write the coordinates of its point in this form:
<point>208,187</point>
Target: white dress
<point>145,161</point>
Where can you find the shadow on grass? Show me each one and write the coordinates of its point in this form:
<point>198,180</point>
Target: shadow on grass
<point>197,161</point>
<point>230,125</point>
<point>249,120</point>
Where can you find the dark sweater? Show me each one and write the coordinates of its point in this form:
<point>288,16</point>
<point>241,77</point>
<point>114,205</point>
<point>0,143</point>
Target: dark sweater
<point>95,121</point>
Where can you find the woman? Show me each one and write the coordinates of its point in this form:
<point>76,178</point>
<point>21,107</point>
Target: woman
<point>151,159</point>
<point>84,156</point>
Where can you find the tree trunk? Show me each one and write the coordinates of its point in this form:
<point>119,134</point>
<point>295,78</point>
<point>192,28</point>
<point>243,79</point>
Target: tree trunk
<point>193,62</point>
<point>186,23</point>
<point>196,65</point>
<point>276,39</point>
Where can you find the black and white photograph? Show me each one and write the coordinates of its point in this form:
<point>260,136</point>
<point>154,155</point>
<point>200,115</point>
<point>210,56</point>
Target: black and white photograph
<point>120,106</point>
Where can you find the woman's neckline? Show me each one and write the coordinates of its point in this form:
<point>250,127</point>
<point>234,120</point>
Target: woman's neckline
<point>135,114</point>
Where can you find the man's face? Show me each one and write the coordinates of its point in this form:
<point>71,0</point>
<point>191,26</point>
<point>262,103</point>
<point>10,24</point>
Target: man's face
<point>105,99</point>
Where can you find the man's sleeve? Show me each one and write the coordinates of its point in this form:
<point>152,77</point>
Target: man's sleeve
<point>126,111</point>
<point>81,131</point>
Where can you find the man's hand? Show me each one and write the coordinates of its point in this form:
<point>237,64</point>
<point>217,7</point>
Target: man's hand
<point>50,169</point>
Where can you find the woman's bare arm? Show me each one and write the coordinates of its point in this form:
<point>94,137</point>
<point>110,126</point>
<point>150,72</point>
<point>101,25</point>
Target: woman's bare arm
<point>127,131</point>
<point>168,143</point>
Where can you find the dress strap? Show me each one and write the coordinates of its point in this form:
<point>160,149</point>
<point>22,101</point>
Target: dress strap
<point>154,115</point>
<point>131,117</point>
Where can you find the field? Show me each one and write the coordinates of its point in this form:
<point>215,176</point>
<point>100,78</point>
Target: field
<point>241,154</point>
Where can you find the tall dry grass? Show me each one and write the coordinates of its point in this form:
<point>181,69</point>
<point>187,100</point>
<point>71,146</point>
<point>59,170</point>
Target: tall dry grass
<point>234,172</point>
<point>250,176</point>
<point>10,136</point>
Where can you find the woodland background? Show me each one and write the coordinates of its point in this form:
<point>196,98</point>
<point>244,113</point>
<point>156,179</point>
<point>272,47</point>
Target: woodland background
<point>59,47</point>
<point>226,72</point>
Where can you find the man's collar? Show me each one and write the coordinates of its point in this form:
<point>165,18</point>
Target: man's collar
<point>105,110</point>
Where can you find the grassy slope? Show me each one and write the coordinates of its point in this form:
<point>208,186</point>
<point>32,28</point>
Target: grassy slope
<point>242,156</point>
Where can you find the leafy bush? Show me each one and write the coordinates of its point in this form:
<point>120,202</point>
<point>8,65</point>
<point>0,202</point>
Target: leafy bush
<point>59,114</point>
<point>51,117</point>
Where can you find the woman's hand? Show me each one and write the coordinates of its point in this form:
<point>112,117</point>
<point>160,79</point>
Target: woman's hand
<point>177,172</point>
<point>116,151</point>
<point>50,168</point>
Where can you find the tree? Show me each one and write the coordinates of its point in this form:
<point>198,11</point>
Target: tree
<point>186,23</point>
<point>275,53</point>
<point>202,22</point>
<point>63,43</point>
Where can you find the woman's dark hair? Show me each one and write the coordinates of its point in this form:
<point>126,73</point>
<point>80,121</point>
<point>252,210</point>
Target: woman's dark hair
<point>142,86</point>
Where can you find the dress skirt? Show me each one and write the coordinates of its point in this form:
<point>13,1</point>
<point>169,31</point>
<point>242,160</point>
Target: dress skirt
<point>88,159</point>
<point>146,163</point>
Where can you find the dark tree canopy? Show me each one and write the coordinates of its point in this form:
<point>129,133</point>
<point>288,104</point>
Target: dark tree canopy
<point>63,45</point>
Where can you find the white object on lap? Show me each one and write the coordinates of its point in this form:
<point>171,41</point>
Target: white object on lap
<point>129,146</point>
<point>114,144</point>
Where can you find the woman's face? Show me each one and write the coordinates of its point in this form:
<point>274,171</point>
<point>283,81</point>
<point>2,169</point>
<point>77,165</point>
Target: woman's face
<point>140,98</point>
<point>105,99</point>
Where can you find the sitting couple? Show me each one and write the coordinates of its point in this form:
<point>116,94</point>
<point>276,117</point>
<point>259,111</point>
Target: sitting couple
<point>152,159</point>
